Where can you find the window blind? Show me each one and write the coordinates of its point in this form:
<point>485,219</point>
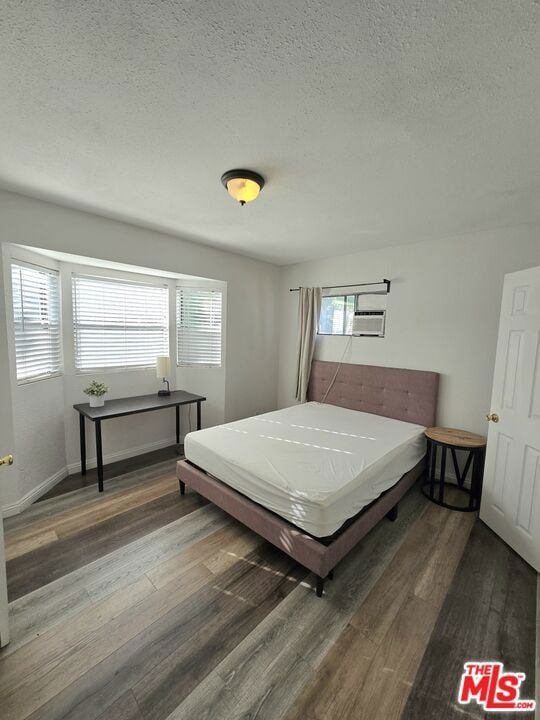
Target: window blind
<point>337,313</point>
<point>198,321</point>
<point>119,324</point>
<point>36,322</point>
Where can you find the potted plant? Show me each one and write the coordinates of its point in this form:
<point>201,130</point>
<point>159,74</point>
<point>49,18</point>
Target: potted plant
<point>95,392</point>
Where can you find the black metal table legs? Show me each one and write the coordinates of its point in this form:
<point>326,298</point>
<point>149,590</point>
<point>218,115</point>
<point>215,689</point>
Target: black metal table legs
<point>99,454</point>
<point>99,444</point>
<point>178,421</point>
<point>476,480</point>
<point>99,449</point>
<point>434,487</point>
<point>82,430</point>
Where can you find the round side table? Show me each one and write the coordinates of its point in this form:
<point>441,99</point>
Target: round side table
<point>451,439</point>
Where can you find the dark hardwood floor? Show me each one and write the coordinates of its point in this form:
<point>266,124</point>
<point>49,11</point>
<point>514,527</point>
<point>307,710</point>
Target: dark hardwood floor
<point>489,613</point>
<point>138,604</point>
<point>112,470</point>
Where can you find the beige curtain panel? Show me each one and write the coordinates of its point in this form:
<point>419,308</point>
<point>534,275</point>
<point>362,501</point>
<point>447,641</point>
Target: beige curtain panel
<point>309,308</point>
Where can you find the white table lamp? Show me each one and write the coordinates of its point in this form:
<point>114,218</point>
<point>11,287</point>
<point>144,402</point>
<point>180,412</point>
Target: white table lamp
<point>163,369</point>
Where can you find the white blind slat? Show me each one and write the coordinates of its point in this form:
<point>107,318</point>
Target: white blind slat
<point>119,324</point>
<point>36,321</point>
<point>198,321</point>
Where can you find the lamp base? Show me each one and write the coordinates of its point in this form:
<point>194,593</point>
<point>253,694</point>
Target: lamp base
<point>165,390</point>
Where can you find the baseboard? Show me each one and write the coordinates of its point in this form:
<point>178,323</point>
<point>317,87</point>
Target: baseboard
<point>17,507</point>
<point>75,467</point>
<point>31,496</point>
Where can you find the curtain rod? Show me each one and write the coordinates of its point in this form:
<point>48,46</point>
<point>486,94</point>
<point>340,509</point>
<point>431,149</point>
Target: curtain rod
<point>331,287</point>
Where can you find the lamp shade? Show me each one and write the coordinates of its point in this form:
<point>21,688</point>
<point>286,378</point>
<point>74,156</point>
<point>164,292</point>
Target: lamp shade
<point>163,366</point>
<point>243,185</point>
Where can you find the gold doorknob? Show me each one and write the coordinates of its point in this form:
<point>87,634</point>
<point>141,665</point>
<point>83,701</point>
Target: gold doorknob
<point>493,417</point>
<point>6,460</point>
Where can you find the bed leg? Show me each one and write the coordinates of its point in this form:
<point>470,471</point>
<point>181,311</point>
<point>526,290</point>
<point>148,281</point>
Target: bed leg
<point>320,586</point>
<point>330,575</point>
<point>182,487</point>
<point>392,515</point>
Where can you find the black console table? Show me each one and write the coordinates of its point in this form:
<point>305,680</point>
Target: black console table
<point>130,406</point>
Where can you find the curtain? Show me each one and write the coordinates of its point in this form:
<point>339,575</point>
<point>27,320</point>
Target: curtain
<point>309,308</point>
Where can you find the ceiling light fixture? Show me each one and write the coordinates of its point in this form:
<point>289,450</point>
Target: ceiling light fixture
<point>242,185</point>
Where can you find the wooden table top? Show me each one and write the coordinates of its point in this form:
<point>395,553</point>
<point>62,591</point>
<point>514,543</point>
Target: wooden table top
<point>458,438</point>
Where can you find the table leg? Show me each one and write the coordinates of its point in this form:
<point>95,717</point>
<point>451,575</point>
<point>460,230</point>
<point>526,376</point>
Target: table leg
<point>82,428</point>
<point>476,480</point>
<point>99,453</point>
<point>466,469</point>
<point>474,474</point>
<point>198,415</point>
<point>443,474</point>
<point>456,467</point>
<point>178,424</point>
<point>433,462</point>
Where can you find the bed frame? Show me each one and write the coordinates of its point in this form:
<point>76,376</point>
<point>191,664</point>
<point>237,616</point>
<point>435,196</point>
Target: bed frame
<point>409,395</point>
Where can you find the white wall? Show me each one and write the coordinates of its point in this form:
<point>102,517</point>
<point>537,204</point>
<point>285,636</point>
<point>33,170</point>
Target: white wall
<point>248,382</point>
<point>443,313</point>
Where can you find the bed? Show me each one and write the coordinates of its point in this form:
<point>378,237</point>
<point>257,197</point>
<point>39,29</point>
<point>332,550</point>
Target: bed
<point>313,479</point>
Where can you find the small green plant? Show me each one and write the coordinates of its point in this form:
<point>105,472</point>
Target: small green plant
<point>97,389</point>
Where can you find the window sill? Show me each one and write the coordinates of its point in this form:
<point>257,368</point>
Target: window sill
<point>206,366</point>
<point>29,381</point>
<point>335,334</point>
<point>113,370</point>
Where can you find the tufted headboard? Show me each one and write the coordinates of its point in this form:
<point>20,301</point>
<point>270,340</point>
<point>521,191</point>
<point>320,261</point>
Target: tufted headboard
<point>409,395</point>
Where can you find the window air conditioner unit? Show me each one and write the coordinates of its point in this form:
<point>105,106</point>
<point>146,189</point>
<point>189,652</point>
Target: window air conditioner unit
<point>369,323</point>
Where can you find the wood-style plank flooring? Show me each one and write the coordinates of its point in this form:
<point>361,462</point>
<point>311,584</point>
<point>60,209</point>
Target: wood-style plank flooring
<point>141,605</point>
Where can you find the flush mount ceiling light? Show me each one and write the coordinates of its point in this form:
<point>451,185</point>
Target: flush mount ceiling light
<point>242,185</point>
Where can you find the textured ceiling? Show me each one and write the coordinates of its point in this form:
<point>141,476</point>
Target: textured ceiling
<point>375,123</point>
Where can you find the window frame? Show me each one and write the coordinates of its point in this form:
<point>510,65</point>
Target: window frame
<point>59,372</point>
<point>102,370</point>
<point>344,296</point>
<point>200,288</point>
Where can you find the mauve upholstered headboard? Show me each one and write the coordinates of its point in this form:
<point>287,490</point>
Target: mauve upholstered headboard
<point>409,395</point>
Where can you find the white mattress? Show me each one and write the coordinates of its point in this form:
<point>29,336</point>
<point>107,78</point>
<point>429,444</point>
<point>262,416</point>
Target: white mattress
<point>315,465</point>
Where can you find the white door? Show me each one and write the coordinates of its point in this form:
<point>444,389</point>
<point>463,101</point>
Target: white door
<point>511,494</point>
<point>4,627</point>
